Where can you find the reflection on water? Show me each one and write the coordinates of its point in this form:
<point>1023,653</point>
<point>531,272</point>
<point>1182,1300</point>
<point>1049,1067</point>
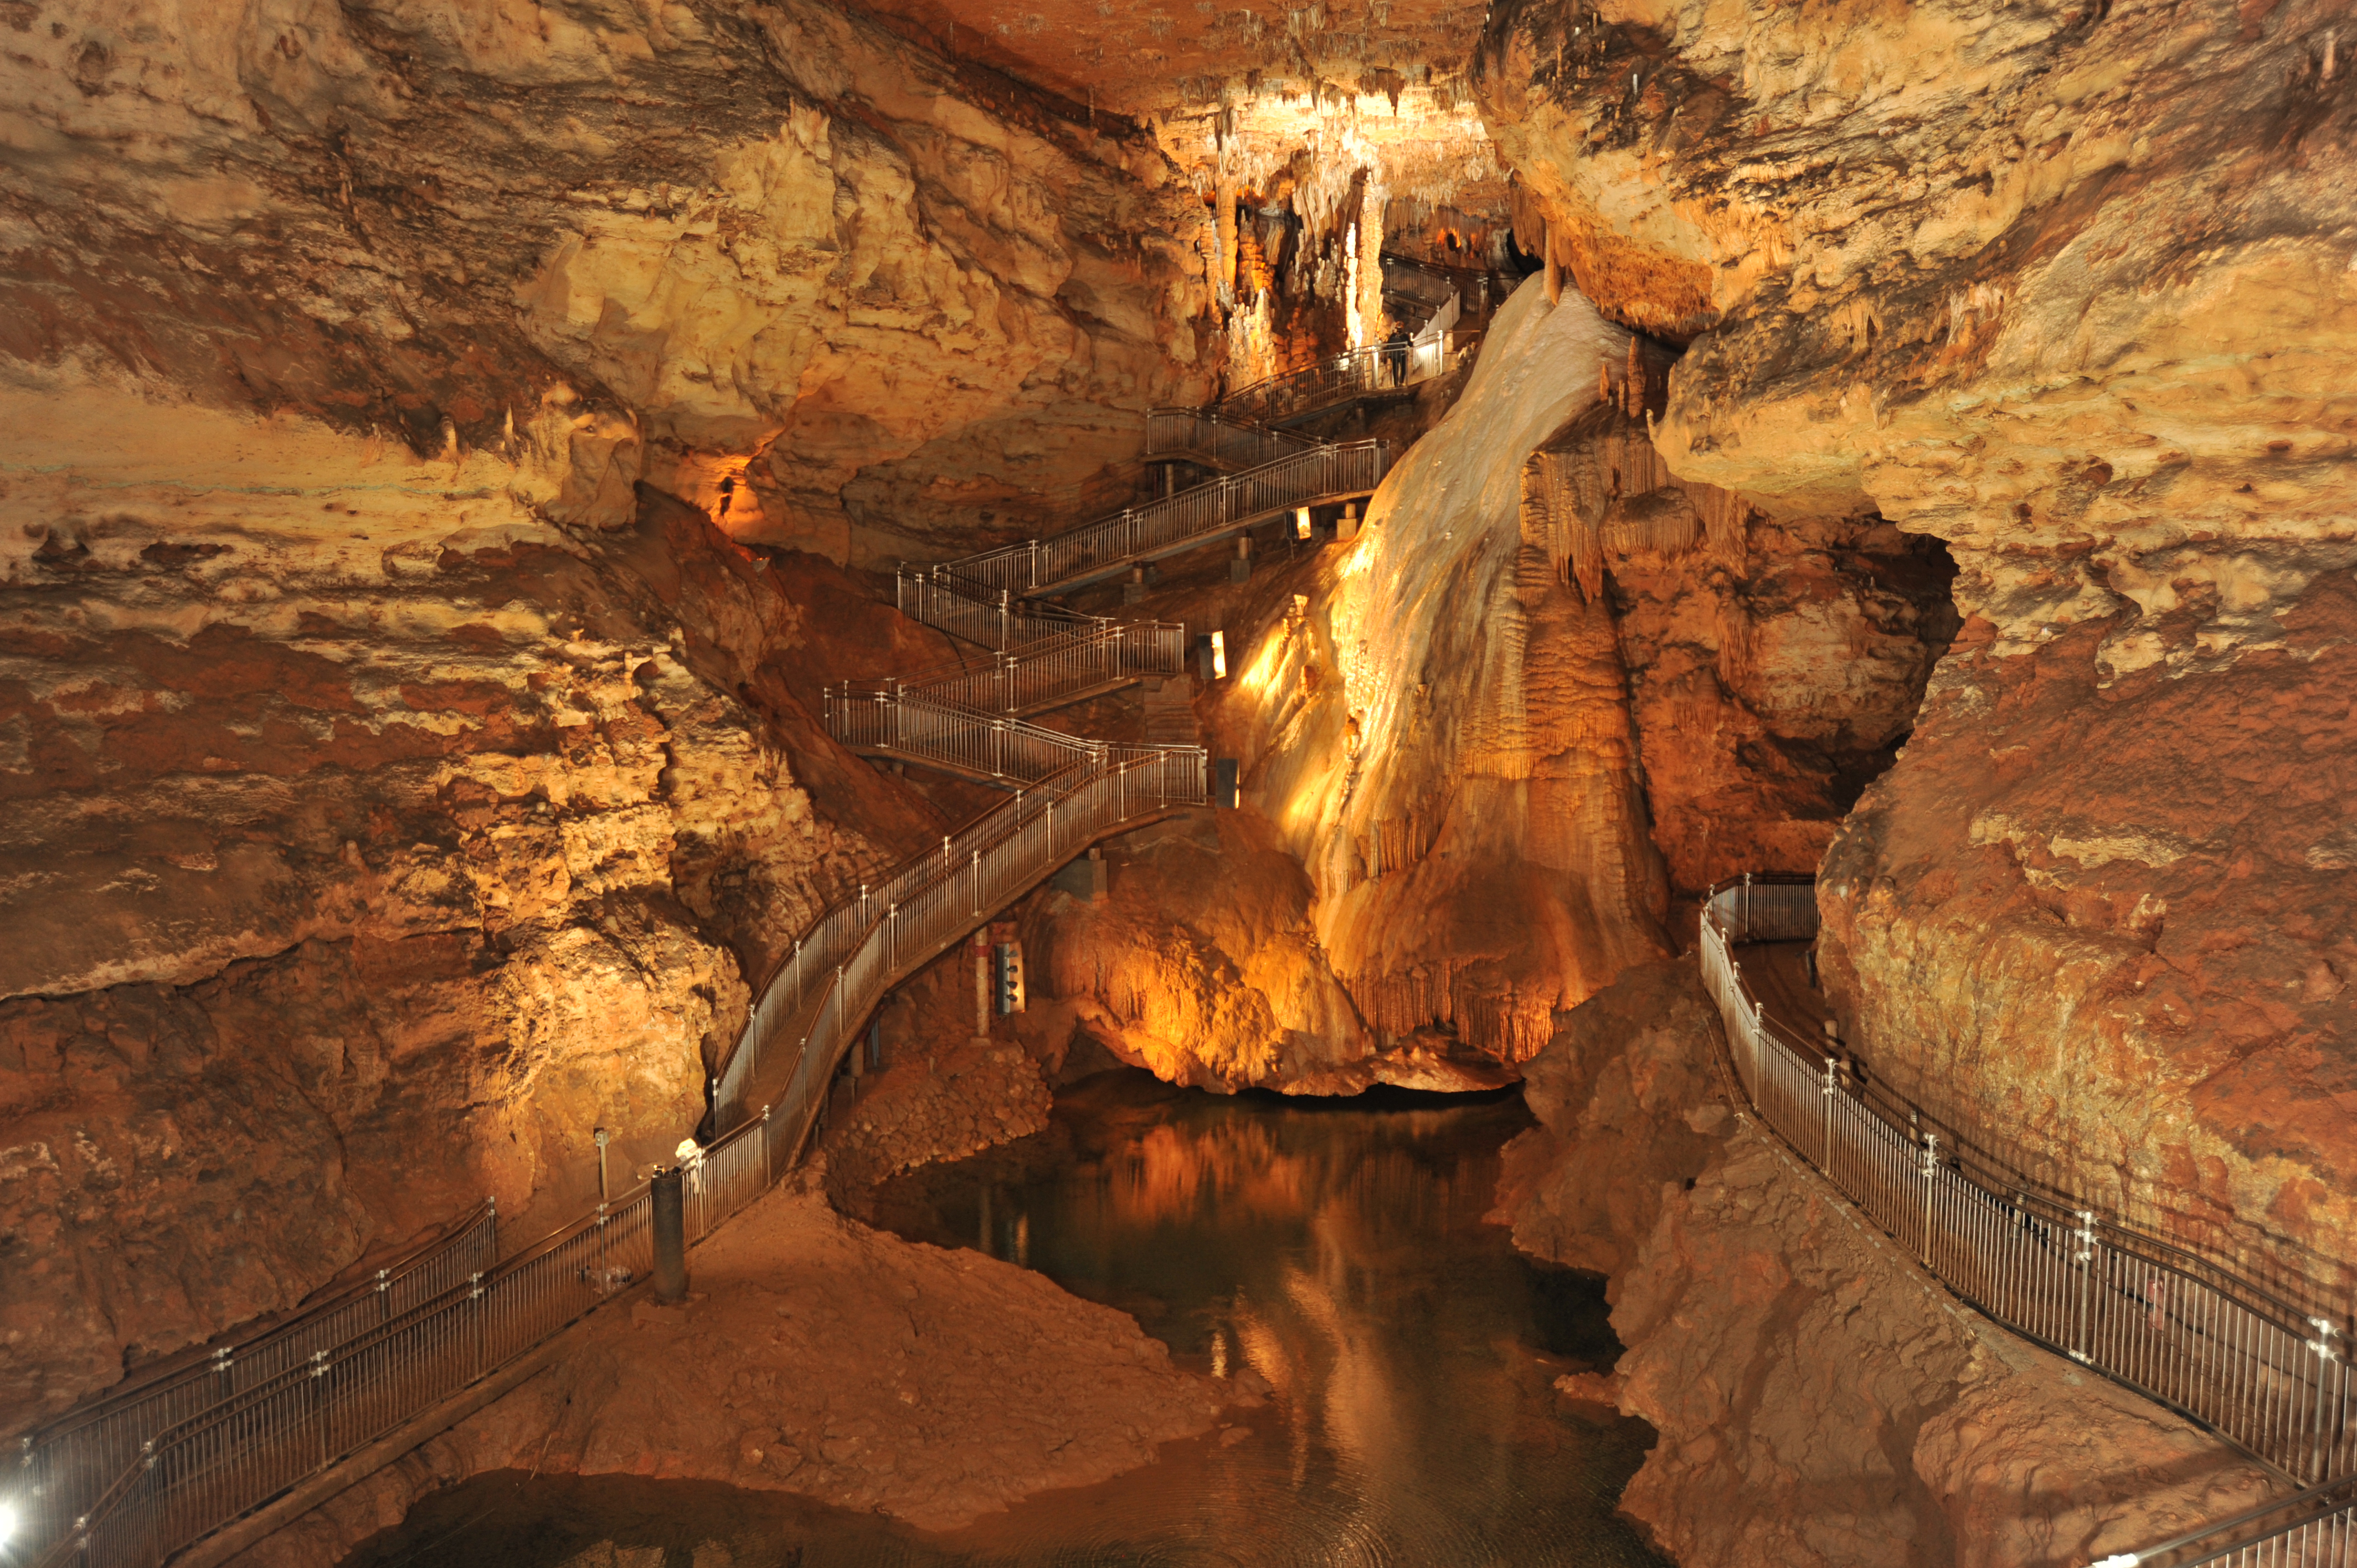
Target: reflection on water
<point>1335,1249</point>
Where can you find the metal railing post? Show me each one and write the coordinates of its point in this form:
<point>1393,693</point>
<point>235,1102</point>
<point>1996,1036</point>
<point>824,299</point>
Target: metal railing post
<point>1831,1087</point>
<point>2326,1358</point>
<point>1930,1169</point>
<point>2083,1254</point>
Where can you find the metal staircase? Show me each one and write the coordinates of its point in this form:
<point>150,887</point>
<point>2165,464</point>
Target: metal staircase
<point>132,1479</point>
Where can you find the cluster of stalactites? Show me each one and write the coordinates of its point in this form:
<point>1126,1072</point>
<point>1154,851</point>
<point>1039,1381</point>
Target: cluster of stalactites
<point>1267,245</point>
<point>1308,185</point>
<point>1601,492</point>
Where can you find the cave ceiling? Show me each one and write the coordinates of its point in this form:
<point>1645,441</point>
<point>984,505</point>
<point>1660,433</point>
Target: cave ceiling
<point>1262,95</point>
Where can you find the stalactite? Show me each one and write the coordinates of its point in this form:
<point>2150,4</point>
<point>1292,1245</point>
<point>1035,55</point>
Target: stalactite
<point>1554,272</point>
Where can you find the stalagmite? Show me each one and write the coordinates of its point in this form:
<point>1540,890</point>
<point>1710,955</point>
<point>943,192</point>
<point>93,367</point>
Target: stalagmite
<point>1370,263</point>
<point>1226,198</point>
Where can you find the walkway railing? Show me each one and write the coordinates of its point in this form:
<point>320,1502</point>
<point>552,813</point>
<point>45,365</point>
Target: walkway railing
<point>1224,442</point>
<point>994,618</point>
<point>210,1468</point>
<point>127,1482</point>
<point>819,999</point>
<point>2162,1320</point>
<point>1167,526</point>
<point>63,1469</point>
<point>919,726</point>
<point>1361,372</point>
<point>1050,671</point>
<point>2312,1528</point>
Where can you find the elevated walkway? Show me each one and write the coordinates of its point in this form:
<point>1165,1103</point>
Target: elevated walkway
<point>2143,1309</point>
<point>133,1479</point>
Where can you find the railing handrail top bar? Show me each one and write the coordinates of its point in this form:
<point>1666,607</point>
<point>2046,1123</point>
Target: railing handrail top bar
<point>1036,649</point>
<point>1211,414</point>
<point>1050,786</point>
<point>201,1359</point>
<point>1335,361</point>
<point>2026,1190</point>
<point>2341,1483</point>
<point>1244,478</point>
<point>301,1371</point>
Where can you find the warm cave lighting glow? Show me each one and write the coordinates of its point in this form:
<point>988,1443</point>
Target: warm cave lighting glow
<point>1301,522</point>
<point>1218,656</point>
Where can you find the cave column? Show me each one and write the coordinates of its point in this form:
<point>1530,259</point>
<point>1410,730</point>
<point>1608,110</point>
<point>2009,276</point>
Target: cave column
<point>1370,281</point>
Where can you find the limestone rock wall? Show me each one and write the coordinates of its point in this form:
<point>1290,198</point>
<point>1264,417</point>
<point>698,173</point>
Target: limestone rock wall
<point>407,773</point>
<point>742,243</point>
<point>1772,662</point>
<point>2068,287</point>
<point>370,841</point>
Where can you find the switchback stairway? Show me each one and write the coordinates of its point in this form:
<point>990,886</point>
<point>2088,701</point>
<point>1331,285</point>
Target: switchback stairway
<point>273,1422</point>
<point>972,720</point>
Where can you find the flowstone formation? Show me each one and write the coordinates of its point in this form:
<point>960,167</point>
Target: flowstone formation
<point>2071,288</point>
<point>1548,690</point>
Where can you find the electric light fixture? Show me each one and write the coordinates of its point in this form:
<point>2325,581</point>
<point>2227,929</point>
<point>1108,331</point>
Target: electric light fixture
<point>1301,522</point>
<point>1218,656</point>
<point>8,1523</point>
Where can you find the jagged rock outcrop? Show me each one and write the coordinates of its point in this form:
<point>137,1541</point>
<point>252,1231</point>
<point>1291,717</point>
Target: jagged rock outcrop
<point>2068,287</point>
<point>1772,662</point>
<point>1820,1400</point>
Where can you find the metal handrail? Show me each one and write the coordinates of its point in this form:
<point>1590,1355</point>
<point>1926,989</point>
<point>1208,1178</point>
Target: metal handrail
<point>1043,673</point>
<point>1186,430</point>
<point>2318,1532</point>
<point>1174,523</point>
<point>2186,1332</point>
<point>1379,367</point>
<point>63,1466</point>
<point>204,1468</point>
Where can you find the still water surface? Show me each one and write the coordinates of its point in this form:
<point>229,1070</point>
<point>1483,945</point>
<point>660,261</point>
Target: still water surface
<point>1335,1247</point>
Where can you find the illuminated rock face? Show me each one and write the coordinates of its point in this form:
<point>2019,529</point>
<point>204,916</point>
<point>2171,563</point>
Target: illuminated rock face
<point>2070,289</point>
<point>751,240</point>
<point>403,785</point>
<point>1483,745</point>
<point>368,849</point>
